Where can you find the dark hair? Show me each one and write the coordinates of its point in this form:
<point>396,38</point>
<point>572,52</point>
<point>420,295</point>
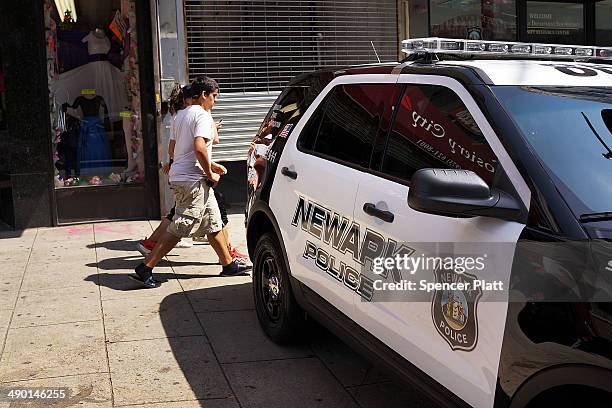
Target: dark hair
<point>176,102</point>
<point>203,84</point>
<point>187,92</point>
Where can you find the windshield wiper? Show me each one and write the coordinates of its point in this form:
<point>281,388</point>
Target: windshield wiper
<point>594,217</point>
<point>606,155</point>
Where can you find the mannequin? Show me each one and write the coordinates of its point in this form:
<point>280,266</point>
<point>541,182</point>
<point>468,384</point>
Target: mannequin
<point>99,75</point>
<point>93,149</point>
<point>97,42</point>
<point>68,148</point>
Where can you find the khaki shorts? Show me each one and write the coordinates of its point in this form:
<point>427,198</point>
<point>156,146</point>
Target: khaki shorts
<point>197,211</point>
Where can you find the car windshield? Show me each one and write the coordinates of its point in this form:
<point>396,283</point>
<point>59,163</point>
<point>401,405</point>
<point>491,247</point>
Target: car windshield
<point>570,130</point>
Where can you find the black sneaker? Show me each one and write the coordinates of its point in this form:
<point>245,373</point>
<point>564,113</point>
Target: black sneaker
<point>235,268</point>
<point>144,276</point>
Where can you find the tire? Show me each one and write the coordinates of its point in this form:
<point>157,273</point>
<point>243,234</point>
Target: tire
<point>277,310</point>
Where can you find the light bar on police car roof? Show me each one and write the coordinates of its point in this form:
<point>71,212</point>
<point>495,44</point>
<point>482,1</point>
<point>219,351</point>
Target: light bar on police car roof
<point>494,48</point>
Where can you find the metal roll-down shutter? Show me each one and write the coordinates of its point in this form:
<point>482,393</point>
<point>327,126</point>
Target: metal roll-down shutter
<point>253,48</point>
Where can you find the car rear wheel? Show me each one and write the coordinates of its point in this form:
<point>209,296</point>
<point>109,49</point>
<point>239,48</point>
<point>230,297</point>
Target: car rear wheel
<point>279,314</point>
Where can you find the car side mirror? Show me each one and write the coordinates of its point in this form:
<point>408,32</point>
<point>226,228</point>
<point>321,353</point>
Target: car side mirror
<point>459,193</point>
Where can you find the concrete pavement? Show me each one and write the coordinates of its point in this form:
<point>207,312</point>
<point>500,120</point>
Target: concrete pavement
<point>70,318</point>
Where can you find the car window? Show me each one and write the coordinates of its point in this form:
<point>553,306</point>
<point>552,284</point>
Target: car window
<point>347,123</point>
<point>288,108</point>
<point>569,129</point>
<point>434,129</point>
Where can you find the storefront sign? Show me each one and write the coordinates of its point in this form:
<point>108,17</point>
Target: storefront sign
<point>546,20</point>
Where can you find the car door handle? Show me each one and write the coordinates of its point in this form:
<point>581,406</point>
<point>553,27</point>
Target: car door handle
<point>371,209</point>
<point>289,173</point>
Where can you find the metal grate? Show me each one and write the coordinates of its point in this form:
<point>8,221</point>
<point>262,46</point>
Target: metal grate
<point>260,45</point>
<point>242,114</point>
<point>253,48</point>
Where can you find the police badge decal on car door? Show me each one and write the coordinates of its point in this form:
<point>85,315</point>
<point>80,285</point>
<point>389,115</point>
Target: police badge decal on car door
<point>454,312</point>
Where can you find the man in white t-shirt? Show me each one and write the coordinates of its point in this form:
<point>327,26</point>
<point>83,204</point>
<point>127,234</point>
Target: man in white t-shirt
<point>192,175</point>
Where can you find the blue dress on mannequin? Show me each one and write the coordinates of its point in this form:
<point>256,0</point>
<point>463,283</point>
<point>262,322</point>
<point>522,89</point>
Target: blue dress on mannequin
<point>93,150</point>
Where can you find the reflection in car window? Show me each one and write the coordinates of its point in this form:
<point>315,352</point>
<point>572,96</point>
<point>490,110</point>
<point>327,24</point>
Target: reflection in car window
<point>570,131</point>
<point>351,121</point>
<point>434,129</point>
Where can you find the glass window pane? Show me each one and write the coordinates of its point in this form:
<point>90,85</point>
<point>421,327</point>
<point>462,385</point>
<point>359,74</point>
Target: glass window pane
<point>434,129</point>
<point>603,23</point>
<point>475,19</point>
<point>570,131</point>
<point>94,94</point>
<point>555,22</point>
<point>418,19</point>
<point>351,122</point>
<point>456,19</point>
<point>499,20</point>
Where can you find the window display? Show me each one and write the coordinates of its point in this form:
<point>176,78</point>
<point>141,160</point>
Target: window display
<point>555,22</point>
<point>94,93</point>
<point>474,19</point>
<point>456,19</point>
<point>603,23</point>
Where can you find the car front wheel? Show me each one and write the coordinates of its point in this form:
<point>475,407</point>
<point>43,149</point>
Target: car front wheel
<point>277,310</point>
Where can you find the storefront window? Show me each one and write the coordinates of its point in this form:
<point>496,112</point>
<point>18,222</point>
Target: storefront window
<point>94,93</point>
<point>418,19</point>
<point>474,19</point>
<point>603,23</point>
<point>555,22</point>
<point>499,20</point>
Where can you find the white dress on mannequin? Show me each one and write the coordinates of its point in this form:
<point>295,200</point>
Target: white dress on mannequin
<point>97,42</point>
<point>102,77</point>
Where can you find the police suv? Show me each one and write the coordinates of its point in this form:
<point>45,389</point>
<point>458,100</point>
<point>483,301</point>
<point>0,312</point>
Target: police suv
<point>449,216</point>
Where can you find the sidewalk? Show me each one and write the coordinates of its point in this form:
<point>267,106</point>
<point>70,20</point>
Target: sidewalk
<point>70,318</point>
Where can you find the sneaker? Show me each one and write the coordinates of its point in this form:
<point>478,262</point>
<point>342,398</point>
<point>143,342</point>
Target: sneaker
<point>203,239</point>
<point>145,246</point>
<point>233,251</point>
<point>184,243</point>
<point>235,268</point>
<point>144,276</point>
<point>149,283</point>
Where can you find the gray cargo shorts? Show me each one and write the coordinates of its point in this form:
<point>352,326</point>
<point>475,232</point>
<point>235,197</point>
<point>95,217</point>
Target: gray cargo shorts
<point>197,211</point>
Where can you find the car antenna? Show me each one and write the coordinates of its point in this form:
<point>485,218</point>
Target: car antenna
<point>374,48</point>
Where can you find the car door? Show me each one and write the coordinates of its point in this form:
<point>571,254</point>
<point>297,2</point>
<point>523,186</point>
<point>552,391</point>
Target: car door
<point>318,173</point>
<point>453,336</point>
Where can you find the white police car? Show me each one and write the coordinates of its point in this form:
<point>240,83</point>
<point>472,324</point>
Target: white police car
<point>497,156</point>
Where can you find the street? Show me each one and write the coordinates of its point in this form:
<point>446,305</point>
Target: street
<point>70,318</point>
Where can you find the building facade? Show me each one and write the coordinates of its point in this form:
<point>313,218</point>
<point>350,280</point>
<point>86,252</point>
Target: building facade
<point>587,22</point>
<point>79,112</point>
<point>82,82</point>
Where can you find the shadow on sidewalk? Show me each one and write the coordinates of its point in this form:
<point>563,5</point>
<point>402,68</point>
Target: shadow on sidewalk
<point>116,245</point>
<point>318,369</point>
<point>121,281</point>
<point>131,262</point>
